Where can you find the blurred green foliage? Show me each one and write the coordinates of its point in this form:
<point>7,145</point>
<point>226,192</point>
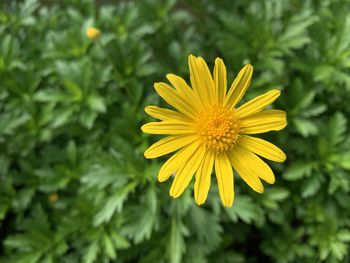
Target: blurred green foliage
<point>74,186</point>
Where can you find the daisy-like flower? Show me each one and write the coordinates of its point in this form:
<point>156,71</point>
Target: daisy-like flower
<point>208,131</point>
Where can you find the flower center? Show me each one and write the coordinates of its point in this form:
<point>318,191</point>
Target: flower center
<point>218,127</point>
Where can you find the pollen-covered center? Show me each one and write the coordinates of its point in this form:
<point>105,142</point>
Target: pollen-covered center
<point>218,127</point>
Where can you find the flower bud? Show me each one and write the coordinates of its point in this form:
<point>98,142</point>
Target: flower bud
<point>93,33</point>
<point>53,198</point>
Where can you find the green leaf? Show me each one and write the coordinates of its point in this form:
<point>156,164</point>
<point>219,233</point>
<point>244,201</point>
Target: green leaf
<point>97,103</point>
<point>120,241</point>
<point>72,151</point>
<point>90,254</point>
<point>342,160</point>
<point>314,110</point>
<point>51,95</point>
<point>74,90</point>
<point>277,193</point>
<point>140,224</point>
<point>295,34</point>
<point>274,195</point>
<point>109,247</point>
<point>177,244</point>
<point>311,186</point>
<point>245,209</point>
<point>298,170</point>
<point>113,204</point>
<point>12,121</point>
<point>344,235</point>
<point>28,257</point>
<point>337,128</point>
<point>202,219</point>
<point>339,250</point>
<point>305,127</point>
<point>339,180</point>
<point>7,194</point>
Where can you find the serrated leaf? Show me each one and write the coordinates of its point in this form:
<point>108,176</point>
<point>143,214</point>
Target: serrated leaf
<point>305,127</point>
<point>298,170</point>
<point>109,247</point>
<point>73,89</point>
<point>311,186</point>
<point>337,128</point>
<point>202,219</point>
<point>339,250</point>
<point>315,110</point>
<point>113,204</point>
<point>177,244</point>
<point>90,254</point>
<point>338,180</point>
<point>277,193</point>
<point>120,241</point>
<point>96,103</point>
<point>344,235</point>
<point>244,209</point>
<point>342,160</point>
<point>140,224</point>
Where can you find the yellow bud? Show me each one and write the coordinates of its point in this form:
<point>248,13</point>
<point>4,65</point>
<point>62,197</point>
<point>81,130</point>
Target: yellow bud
<point>53,198</point>
<point>93,33</point>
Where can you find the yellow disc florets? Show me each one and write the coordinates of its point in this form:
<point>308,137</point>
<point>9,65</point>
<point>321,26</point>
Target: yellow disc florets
<point>218,127</point>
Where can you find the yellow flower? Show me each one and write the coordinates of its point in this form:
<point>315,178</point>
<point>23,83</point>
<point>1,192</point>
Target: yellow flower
<point>209,131</point>
<point>93,33</point>
<point>53,198</point>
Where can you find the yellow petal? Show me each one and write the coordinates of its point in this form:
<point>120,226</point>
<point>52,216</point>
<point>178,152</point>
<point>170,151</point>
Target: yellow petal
<point>185,91</point>
<point>176,161</point>
<point>165,114</point>
<point>203,178</point>
<point>258,103</point>
<point>168,145</point>
<point>264,121</point>
<point>184,175</point>
<point>245,168</point>
<point>207,79</point>
<point>262,148</point>
<point>239,86</point>
<point>172,97</point>
<point>224,176</point>
<point>201,79</point>
<point>168,127</point>
<point>220,80</point>
<point>254,165</point>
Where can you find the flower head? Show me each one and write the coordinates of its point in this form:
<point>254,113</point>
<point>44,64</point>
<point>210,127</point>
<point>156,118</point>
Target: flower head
<point>93,33</point>
<point>209,131</point>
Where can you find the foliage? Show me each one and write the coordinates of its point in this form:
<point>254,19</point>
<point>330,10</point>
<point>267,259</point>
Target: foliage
<point>74,184</point>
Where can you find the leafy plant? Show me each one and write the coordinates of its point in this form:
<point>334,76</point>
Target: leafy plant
<point>74,185</point>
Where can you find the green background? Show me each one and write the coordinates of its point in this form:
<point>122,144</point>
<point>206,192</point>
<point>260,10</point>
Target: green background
<point>74,185</point>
